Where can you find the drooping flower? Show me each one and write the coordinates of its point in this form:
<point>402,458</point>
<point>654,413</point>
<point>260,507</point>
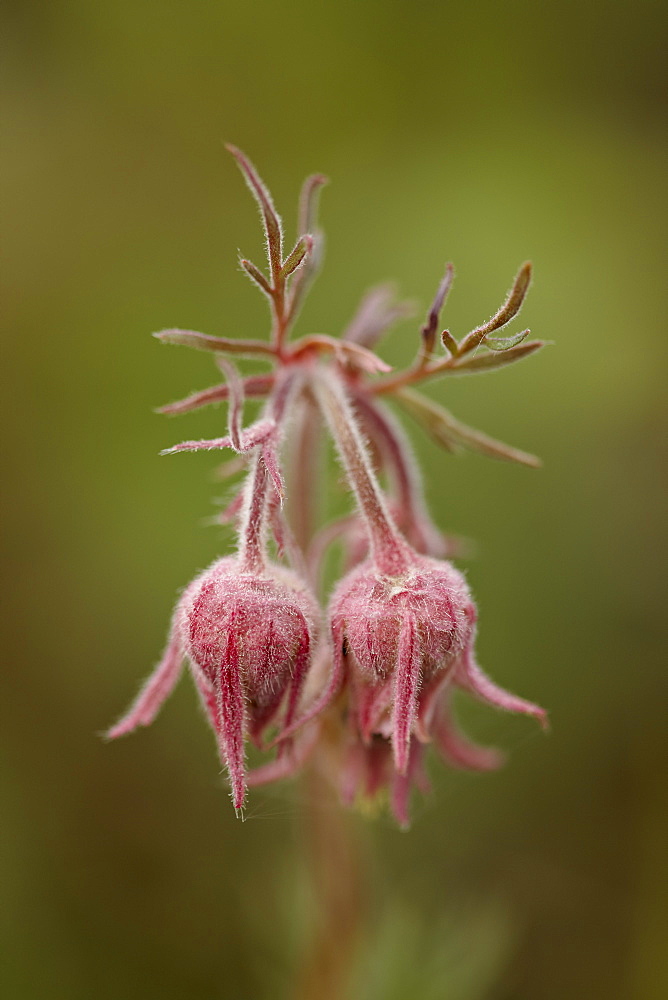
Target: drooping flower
<point>361,699</point>
<point>403,624</point>
<point>246,625</point>
<point>248,638</point>
<point>403,635</point>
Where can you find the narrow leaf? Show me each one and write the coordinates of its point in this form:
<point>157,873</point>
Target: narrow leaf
<point>204,445</point>
<point>505,343</point>
<point>270,459</point>
<point>429,329</point>
<point>236,402</point>
<point>508,310</point>
<point>255,386</point>
<point>305,276</point>
<point>203,342</point>
<point>497,359</point>
<point>302,248</point>
<point>272,222</point>
<point>205,397</point>
<point>447,429</point>
<point>250,438</point>
<point>256,275</point>
<point>308,201</point>
<point>426,413</point>
<point>308,204</point>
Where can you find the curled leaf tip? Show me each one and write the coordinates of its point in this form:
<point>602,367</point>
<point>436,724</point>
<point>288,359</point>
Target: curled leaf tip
<point>505,343</point>
<point>449,342</point>
<point>429,329</point>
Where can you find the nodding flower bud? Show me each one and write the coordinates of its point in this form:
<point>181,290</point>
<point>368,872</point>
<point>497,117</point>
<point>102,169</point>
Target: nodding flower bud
<point>247,626</point>
<point>402,623</point>
<point>404,634</point>
<point>249,639</point>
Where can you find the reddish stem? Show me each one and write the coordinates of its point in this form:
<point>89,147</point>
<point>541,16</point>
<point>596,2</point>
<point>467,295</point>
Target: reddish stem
<point>251,547</point>
<point>252,533</point>
<point>340,894</point>
<point>390,552</point>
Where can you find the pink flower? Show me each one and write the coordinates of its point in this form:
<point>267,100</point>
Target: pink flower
<point>248,639</point>
<point>405,639</point>
<point>403,635</point>
<point>403,626</point>
<point>247,628</point>
<point>362,701</point>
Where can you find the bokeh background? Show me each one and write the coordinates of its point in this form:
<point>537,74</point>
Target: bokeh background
<point>482,133</point>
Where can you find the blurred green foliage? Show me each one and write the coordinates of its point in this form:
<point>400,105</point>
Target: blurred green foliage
<point>481,133</point>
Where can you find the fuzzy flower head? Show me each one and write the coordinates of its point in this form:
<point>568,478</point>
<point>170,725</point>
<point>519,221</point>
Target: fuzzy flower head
<point>402,635</point>
<point>373,611</point>
<point>361,699</point>
<point>403,624</point>
<point>248,638</point>
<point>246,625</point>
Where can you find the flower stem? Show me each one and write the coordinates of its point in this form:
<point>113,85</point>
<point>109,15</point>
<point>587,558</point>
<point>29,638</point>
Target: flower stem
<point>303,471</point>
<point>253,526</point>
<point>252,534</point>
<point>339,892</point>
<point>390,553</point>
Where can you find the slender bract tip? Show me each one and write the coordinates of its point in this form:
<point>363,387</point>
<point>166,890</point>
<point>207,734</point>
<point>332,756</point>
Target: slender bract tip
<point>503,316</point>
<point>256,275</point>
<point>308,201</point>
<point>303,247</point>
<point>271,219</point>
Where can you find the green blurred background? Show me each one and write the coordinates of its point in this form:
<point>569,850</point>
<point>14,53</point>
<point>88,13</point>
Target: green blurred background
<point>482,133</point>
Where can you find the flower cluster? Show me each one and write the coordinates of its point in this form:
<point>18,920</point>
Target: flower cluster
<point>359,689</point>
